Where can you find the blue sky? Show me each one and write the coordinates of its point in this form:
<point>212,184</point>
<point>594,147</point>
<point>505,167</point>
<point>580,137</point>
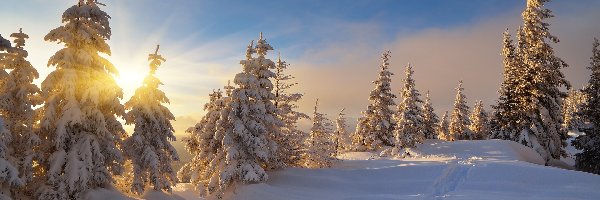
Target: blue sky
<point>333,46</point>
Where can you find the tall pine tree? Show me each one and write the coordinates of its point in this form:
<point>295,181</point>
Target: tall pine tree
<point>589,159</point>
<point>430,119</point>
<point>409,121</point>
<point>82,103</point>
<point>375,127</point>
<point>459,120</point>
<point>18,97</point>
<point>149,147</point>
<point>291,138</point>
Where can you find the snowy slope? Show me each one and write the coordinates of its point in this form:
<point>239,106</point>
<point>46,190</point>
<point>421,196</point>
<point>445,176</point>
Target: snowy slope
<point>491,169</point>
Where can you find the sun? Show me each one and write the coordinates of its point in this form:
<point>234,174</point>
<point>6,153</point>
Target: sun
<point>131,76</point>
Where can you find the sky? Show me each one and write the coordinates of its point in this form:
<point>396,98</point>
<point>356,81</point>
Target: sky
<point>334,46</point>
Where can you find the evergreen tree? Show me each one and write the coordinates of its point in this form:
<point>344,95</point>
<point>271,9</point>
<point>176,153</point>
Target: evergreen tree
<point>430,119</point>
<point>245,128</point>
<point>204,143</point>
<point>82,103</point>
<point>573,106</point>
<point>459,120</point>
<point>9,178</point>
<point>443,130</point>
<point>541,97</point>
<point>319,145</point>
<point>480,125</point>
<point>375,128</point>
<point>589,159</point>
<point>291,138</point>
<point>149,146</point>
<point>409,120</point>
<point>341,138</point>
<point>18,97</point>
<point>507,114</point>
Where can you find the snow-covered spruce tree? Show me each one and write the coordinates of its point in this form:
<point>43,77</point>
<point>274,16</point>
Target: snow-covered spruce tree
<point>18,96</point>
<point>430,119</point>
<point>82,103</point>
<point>459,120</point>
<point>375,127</point>
<point>480,125</point>
<point>589,159</point>
<point>9,178</point>
<point>248,121</point>
<point>507,114</point>
<point>342,140</point>
<point>289,143</point>
<point>409,120</point>
<point>573,106</point>
<point>204,143</point>
<point>319,144</point>
<point>149,147</point>
<point>541,82</point>
<point>443,131</point>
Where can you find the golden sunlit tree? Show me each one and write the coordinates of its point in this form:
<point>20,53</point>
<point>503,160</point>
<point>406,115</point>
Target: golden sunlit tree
<point>82,102</point>
<point>149,147</point>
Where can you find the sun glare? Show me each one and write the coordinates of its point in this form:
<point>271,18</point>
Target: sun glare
<point>130,78</point>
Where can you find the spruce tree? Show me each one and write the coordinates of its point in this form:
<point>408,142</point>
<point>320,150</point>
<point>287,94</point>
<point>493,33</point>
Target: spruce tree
<point>507,114</point>
<point>149,147</point>
<point>9,179</point>
<point>82,103</point>
<point>319,146</point>
<point>290,141</point>
<point>18,97</point>
<point>480,125</point>
<point>542,80</point>
<point>409,129</point>
<point>589,159</point>
<point>375,127</point>
<point>443,131</point>
<point>459,120</point>
<point>430,119</point>
<point>573,106</point>
<point>341,138</point>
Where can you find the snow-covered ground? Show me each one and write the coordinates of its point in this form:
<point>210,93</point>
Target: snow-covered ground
<point>489,169</point>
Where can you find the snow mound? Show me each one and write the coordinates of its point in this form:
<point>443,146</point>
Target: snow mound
<point>104,194</point>
<point>491,169</point>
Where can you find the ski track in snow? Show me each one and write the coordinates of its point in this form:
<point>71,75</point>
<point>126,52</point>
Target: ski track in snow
<point>455,174</point>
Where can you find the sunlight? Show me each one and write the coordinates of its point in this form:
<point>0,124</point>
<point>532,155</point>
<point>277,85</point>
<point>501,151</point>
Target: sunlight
<point>131,76</point>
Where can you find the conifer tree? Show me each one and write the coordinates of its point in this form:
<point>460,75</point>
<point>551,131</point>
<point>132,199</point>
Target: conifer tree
<point>507,115</point>
<point>409,120</point>
<point>149,146</point>
<point>341,138</point>
<point>430,119</point>
<point>18,97</point>
<point>443,130</point>
<point>375,127</point>
<point>9,179</point>
<point>82,103</point>
<point>541,82</point>
<point>291,138</point>
<point>480,125</point>
<point>459,120</point>
<point>319,145</point>
<point>589,159</point>
<point>573,106</point>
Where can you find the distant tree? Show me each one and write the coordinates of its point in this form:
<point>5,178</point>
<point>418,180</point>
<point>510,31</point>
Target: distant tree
<point>341,138</point>
<point>443,130</point>
<point>430,119</point>
<point>18,97</point>
<point>290,141</point>
<point>459,120</point>
<point>480,125</point>
<point>589,159</point>
<point>319,145</point>
<point>82,103</point>
<point>409,121</point>
<point>573,108</point>
<point>375,127</point>
<point>149,147</point>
